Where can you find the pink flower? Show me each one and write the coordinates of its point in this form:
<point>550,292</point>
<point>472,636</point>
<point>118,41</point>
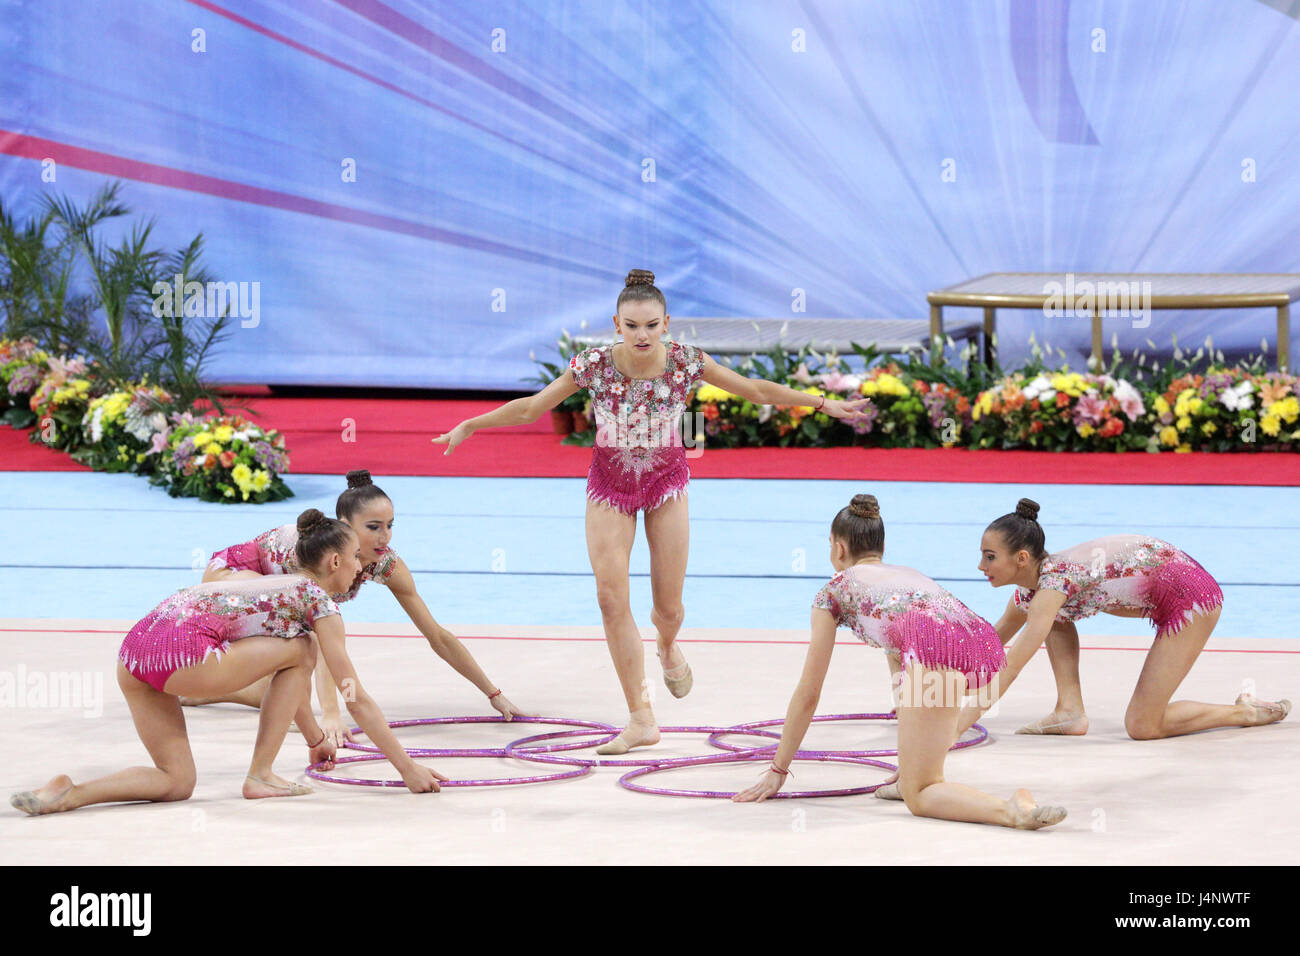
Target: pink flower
<point>1089,410</point>
<point>159,443</point>
<point>837,381</point>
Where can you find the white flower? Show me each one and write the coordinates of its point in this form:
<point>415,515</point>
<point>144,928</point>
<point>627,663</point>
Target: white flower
<point>1035,388</point>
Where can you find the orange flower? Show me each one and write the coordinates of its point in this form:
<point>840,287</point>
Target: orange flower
<point>227,459</point>
<point>1035,426</point>
<point>210,461</point>
<point>1110,428</point>
<point>1012,403</point>
<point>710,411</point>
<point>1062,399</point>
<point>1035,405</point>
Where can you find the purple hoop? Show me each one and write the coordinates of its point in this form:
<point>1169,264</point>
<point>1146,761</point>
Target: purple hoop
<point>751,729</point>
<point>500,782</point>
<point>517,749</point>
<point>625,780</point>
<point>609,729</point>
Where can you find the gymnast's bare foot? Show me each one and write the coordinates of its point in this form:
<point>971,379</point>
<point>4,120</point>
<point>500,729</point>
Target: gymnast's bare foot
<point>1257,713</point>
<point>51,798</point>
<point>641,731</point>
<point>1027,815</point>
<point>271,785</point>
<point>889,789</point>
<point>1064,723</point>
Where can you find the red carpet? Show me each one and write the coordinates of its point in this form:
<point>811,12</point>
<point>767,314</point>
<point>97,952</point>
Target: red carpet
<point>392,437</point>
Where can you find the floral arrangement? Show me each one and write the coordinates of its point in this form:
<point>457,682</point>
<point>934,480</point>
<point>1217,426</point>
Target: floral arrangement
<point>222,458</point>
<point>1062,411</point>
<point>23,365</point>
<point>60,401</point>
<point>125,430</point>
<point>1226,409</point>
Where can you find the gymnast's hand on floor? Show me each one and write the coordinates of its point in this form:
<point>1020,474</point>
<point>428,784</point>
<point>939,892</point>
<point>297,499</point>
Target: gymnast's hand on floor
<point>336,731</point>
<point>452,438</point>
<point>507,710</point>
<point>767,785</point>
<point>323,753</point>
<point>422,779</point>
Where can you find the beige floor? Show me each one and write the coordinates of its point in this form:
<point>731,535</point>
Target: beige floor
<point>1221,797</point>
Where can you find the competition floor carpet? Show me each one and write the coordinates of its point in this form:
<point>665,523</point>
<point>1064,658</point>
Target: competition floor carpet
<point>502,563</point>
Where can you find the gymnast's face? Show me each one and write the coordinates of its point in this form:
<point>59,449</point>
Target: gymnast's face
<point>373,524</point>
<point>1000,564</point>
<point>641,324</point>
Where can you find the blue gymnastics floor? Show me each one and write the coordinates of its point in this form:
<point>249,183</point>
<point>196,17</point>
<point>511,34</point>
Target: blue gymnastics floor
<point>493,551</point>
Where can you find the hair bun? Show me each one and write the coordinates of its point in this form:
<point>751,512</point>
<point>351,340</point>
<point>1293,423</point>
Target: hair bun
<point>865,506</point>
<point>639,277</point>
<point>310,521</point>
<point>359,478</point>
<point>1027,508</point>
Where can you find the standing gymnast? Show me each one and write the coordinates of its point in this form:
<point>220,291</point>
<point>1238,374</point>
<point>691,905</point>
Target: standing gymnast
<point>1127,575</point>
<point>369,512</point>
<point>639,391</point>
<point>213,638</point>
<point>942,648</point>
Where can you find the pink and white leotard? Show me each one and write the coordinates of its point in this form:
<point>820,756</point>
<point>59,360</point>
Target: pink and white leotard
<point>639,461</point>
<point>274,552</point>
<point>906,613</point>
<point>1127,571</point>
<point>205,618</point>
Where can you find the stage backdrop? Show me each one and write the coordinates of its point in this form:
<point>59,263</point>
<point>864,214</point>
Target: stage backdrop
<point>424,192</point>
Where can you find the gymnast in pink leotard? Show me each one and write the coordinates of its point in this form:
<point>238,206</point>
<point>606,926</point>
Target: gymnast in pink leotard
<point>1127,575</point>
<point>639,389</point>
<point>369,512</point>
<point>943,648</point>
<point>212,638</point>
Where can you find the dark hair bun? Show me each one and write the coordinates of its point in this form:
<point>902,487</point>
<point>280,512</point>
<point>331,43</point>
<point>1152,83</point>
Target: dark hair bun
<point>865,506</point>
<point>639,277</point>
<point>359,478</point>
<point>310,521</point>
<point>1027,508</point>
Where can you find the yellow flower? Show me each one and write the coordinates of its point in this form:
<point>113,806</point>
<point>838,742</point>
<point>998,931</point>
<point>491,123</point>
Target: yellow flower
<point>1085,431</point>
<point>201,439</point>
<point>892,385</point>
<point>711,393</point>
<point>1270,425</point>
<point>1184,423</point>
<point>139,458</point>
<point>1195,405</point>
<point>214,448</point>
<point>242,475</point>
<point>870,388</point>
<point>1169,436</point>
<point>260,480</point>
<point>224,432</point>
<point>1208,428</point>
<point>1182,448</point>
<point>1287,409</point>
<point>1161,406</point>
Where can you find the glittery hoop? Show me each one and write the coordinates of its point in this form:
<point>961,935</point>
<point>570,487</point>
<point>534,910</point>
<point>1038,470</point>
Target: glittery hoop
<point>627,778</point>
<point>315,774</point>
<point>608,729</point>
<point>752,728</point>
<point>517,748</point>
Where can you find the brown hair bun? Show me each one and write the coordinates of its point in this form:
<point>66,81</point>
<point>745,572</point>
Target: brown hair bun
<point>310,521</point>
<point>359,478</point>
<point>1027,508</point>
<point>865,506</point>
<point>639,277</point>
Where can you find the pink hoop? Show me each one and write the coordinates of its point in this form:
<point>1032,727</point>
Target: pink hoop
<point>314,773</point>
<point>752,729</point>
<point>627,778</point>
<point>610,730</point>
<point>516,748</point>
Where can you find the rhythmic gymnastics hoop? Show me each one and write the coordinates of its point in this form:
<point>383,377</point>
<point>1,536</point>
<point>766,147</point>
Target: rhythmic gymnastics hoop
<point>517,748</point>
<point>626,780</point>
<point>316,774</point>
<point>751,729</point>
<point>609,730</point>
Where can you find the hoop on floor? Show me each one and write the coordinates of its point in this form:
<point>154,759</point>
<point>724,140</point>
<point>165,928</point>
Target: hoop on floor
<point>753,728</point>
<point>627,778</point>
<point>316,774</point>
<point>518,748</point>
<point>608,729</point>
